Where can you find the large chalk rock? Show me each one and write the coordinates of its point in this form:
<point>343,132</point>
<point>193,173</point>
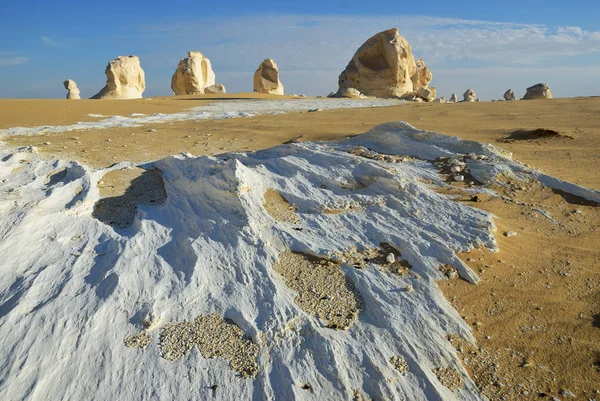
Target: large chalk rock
<point>469,95</point>
<point>427,94</point>
<point>539,91</point>
<point>193,75</point>
<point>384,66</point>
<point>73,90</point>
<point>266,78</point>
<point>453,98</point>
<point>125,79</point>
<point>509,95</point>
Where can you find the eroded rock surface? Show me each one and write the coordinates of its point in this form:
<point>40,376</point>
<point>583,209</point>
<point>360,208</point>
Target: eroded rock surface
<point>125,79</point>
<point>193,75</point>
<point>266,78</point>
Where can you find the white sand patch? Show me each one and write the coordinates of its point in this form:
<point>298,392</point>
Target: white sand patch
<point>217,111</point>
<point>72,288</point>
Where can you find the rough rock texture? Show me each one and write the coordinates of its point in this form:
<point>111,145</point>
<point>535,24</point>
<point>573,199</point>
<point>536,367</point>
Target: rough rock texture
<point>509,95</point>
<point>453,98</point>
<point>73,90</point>
<point>539,91</point>
<point>218,89</point>
<point>125,79</point>
<point>266,78</point>
<point>469,95</point>
<point>384,66</point>
<point>427,94</point>
<point>422,77</point>
<point>193,75</point>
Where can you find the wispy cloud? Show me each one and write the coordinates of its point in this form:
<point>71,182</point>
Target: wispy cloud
<point>7,59</point>
<point>47,40</point>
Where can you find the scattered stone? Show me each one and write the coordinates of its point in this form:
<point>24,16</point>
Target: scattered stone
<point>459,178</point>
<point>141,340</point>
<point>193,76</point>
<point>266,78</point>
<point>322,289</point>
<point>73,91</point>
<point>539,91</point>
<point>509,95</point>
<point>567,393</point>
<point>449,378</point>
<point>314,110</point>
<point>125,79</point>
<point>399,364</point>
<point>215,337</point>
<point>510,234</point>
<point>469,95</point>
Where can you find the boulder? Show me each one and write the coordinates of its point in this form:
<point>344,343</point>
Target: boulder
<point>218,89</point>
<point>266,78</point>
<point>73,90</point>
<point>440,100</point>
<point>384,66</point>
<point>509,95</point>
<point>193,75</point>
<point>469,95</point>
<point>350,93</point>
<point>539,91</point>
<point>125,79</point>
<point>427,94</point>
<point>453,98</point>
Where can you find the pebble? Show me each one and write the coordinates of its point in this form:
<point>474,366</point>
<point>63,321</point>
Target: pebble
<point>390,258</point>
<point>456,169</point>
<point>510,234</point>
<point>314,110</point>
<point>151,130</point>
<point>459,178</point>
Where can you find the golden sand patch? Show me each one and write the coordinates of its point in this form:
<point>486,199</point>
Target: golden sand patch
<point>322,289</point>
<point>215,337</point>
<point>279,208</point>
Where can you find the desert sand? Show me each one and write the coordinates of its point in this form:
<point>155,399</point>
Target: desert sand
<point>536,311</point>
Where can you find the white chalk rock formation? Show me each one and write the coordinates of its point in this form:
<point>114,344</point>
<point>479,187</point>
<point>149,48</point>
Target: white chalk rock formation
<point>384,66</point>
<point>218,89</point>
<point>427,94</point>
<point>266,78</point>
<point>193,75</point>
<point>73,90</point>
<point>453,98</point>
<point>509,95</point>
<point>125,79</point>
<point>469,95</point>
<point>440,100</point>
<point>539,91</point>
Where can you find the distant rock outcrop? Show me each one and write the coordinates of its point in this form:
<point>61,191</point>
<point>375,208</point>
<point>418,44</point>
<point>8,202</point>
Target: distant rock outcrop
<point>266,78</point>
<point>539,91</point>
<point>440,100</point>
<point>453,98</point>
<point>218,89</point>
<point>193,75</point>
<point>125,79</point>
<point>509,95</point>
<point>384,66</point>
<point>469,95</point>
<point>73,90</point>
<point>350,93</point>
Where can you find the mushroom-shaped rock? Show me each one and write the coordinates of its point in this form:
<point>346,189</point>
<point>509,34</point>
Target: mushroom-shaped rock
<point>193,75</point>
<point>218,89</point>
<point>453,98</point>
<point>73,90</point>
<point>509,95</point>
<point>384,66</point>
<point>539,91</point>
<point>427,94</point>
<point>469,95</point>
<point>125,79</point>
<point>266,78</point>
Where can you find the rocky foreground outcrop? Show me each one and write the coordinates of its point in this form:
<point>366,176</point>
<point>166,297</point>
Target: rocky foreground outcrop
<point>193,75</point>
<point>125,79</point>
<point>266,78</point>
<point>384,66</point>
<point>73,90</point>
<point>539,91</point>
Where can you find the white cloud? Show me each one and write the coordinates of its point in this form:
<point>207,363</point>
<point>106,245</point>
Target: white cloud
<point>11,61</point>
<point>47,40</point>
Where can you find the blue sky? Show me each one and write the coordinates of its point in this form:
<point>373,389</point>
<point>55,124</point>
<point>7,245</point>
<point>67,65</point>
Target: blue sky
<point>488,46</point>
